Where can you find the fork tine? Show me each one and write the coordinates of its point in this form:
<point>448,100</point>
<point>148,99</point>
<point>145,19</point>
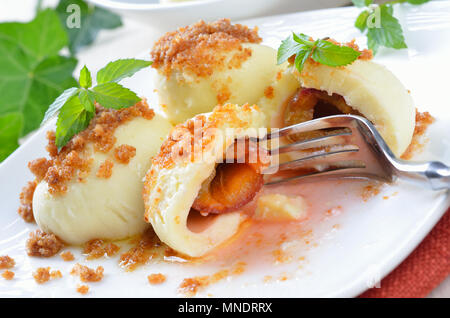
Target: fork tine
<point>328,140</point>
<point>336,121</point>
<point>301,161</point>
<point>338,172</point>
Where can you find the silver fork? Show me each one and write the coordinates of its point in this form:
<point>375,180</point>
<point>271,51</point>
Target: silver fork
<point>352,148</point>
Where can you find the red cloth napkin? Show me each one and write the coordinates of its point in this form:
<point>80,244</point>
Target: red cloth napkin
<point>424,269</point>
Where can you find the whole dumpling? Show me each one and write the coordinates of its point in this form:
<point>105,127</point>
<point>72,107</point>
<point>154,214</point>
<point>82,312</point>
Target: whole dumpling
<point>92,188</point>
<point>206,64</point>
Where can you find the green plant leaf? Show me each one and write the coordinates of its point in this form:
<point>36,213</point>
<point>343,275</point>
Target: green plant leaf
<point>92,20</point>
<point>118,70</point>
<point>10,129</point>
<point>362,3</point>
<point>44,36</point>
<point>87,99</point>
<point>32,74</point>
<point>361,20</point>
<point>331,54</point>
<point>301,59</point>
<point>58,103</point>
<point>113,95</point>
<point>390,34</point>
<point>417,2</point>
<point>85,78</point>
<point>287,48</point>
<point>72,118</point>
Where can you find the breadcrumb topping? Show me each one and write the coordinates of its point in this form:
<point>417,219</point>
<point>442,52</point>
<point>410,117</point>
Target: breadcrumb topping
<point>124,153</point>
<point>98,248</point>
<point>67,256</point>
<point>423,120</point>
<point>200,47</point>
<point>25,209</point>
<point>42,244</point>
<point>43,275</point>
<point>156,279</point>
<point>6,262</point>
<point>105,169</point>
<point>87,274</point>
<point>83,289</point>
<point>8,275</point>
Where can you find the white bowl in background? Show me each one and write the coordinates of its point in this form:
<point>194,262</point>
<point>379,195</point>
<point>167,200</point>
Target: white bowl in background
<point>168,16</point>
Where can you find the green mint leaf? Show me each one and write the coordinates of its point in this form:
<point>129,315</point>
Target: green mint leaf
<point>303,39</point>
<point>118,70</point>
<point>362,3</point>
<point>389,34</point>
<point>331,54</point>
<point>85,78</point>
<point>301,59</point>
<point>93,19</point>
<point>113,95</point>
<point>10,129</point>
<point>32,75</point>
<point>87,99</point>
<point>58,103</point>
<point>72,119</point>
<point>292,45</point>
<point>287,48</point>
<point>417,2</point>
<point>361,20</point>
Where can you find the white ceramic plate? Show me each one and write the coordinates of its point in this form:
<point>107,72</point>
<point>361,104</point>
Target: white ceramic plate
<point>166,16</point>
<point>332,255</point>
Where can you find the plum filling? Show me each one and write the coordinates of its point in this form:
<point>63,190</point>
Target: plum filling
<point>310,103</point>
<point>233,184</point>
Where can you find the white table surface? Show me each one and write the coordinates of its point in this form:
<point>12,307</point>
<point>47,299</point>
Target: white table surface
<point>134,38</point>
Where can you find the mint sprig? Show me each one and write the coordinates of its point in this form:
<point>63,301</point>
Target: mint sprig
<point>76,105</point>
<point>388,33</point>
<point>321,51</point>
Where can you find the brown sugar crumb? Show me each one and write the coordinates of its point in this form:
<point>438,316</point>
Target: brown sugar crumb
<point>105,169</point>
<point>200,47</point>
<point>423,120</point>
<point>83,289</point>
<point>156,279</point>
<point>55,274</point>
<point>279,75</point>
<point>124,153</point>
<point>223,95</point>
<point>98,248</point>
<point>6,262</point>
<point>281,256</point>
<point>190,286</point>
<point>88,274</point>
<point>268,92</point>
<point>42,244</point>
<point>72,161</point>
<point>42,275</point>
<point>146,248</point>
<point>370,191</point>
<point>8,275</point>
<point>67,256</point>
<point>364,54</point>
<point>39,167</point>
<point>26,202</point>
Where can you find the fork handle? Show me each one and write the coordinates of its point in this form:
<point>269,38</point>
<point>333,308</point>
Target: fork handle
<point>435,172</point>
